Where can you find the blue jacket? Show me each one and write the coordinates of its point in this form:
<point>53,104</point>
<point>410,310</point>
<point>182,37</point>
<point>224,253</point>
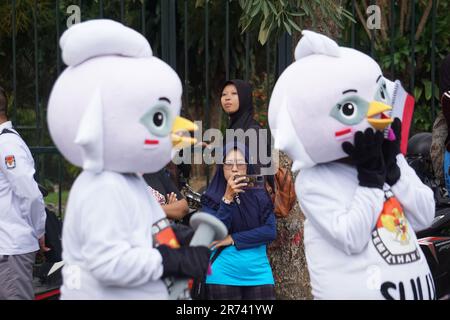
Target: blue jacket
<point>251,223</point>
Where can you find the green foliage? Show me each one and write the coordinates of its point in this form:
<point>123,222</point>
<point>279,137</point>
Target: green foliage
<point>53,198</point>
<point>400,65</point>
<point>273,18</point>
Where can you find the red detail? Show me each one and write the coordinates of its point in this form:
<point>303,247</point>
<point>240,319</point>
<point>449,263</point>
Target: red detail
<point>151,142</point>
<point>434,239</point>
<point>167,237</point>
<point>342,132</point>
<point>47,295</point>
<point>429,242</point>
<point>406,122</point>
<point>297,239</point>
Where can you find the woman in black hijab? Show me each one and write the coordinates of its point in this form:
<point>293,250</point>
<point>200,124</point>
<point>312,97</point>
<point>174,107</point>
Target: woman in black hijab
<point>237,102</point>
<point>240,114</point>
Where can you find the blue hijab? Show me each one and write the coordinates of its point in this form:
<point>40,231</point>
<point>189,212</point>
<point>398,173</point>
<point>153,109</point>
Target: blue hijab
<point>255,204</point>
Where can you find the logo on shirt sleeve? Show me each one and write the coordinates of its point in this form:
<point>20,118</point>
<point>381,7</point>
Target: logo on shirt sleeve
<point>10,162</point>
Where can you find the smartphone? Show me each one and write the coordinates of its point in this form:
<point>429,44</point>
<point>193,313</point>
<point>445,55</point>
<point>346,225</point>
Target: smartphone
<point>254,181</point>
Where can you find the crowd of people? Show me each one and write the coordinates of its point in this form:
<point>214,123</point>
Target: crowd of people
<point>239,265</point>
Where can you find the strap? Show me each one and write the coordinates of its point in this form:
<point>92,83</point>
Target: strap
<point>7,131</point>
<point>216,254</point>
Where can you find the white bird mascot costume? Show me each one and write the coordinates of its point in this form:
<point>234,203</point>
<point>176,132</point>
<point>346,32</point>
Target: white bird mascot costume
<point>114,112</point>
<point>362,201</point>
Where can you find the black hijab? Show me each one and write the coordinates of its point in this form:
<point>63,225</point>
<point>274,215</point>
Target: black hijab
<point>243,118</point>
<point>445,76</point>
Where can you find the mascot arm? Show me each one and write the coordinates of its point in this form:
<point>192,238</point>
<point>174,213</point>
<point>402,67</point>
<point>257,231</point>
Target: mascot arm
<point>416,198</point>
<point>347,225</point>
<point>107,228</point>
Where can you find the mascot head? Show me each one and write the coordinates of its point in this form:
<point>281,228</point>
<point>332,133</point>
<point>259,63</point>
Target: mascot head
<point>116,106</point>
<point>323,98</point>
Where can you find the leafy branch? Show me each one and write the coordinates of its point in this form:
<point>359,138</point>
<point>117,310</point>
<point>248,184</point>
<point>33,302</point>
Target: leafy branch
<point>273,18</point>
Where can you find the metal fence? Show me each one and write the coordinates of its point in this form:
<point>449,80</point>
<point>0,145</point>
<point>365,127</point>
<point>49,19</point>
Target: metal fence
<point>171,42</point>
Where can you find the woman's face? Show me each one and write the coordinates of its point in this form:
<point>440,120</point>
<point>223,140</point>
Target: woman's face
<point>234,164</point>
<point>230,99</point>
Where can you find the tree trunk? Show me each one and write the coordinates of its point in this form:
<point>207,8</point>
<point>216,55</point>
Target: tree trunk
<point>287,253</point>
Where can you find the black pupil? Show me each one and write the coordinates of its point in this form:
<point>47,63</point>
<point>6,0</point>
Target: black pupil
<point>158,119</point>
<point>382,94</point>
<point>348,109</point>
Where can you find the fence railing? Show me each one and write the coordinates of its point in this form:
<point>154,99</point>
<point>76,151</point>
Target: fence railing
<point>173,40</point>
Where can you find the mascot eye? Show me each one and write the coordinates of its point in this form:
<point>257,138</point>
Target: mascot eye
<point>157,120</point>
<point>348,110</point>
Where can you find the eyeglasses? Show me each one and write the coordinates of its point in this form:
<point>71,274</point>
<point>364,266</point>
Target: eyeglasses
<point>230,164</point>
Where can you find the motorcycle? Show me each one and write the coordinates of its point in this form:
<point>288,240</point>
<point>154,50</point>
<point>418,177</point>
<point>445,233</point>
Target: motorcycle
<point>435,240</point>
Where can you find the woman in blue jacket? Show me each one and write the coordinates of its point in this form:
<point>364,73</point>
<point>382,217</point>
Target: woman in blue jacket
<point>242,269</point>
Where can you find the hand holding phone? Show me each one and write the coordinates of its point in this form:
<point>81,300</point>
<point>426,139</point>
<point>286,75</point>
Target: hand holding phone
<point>254,181</point>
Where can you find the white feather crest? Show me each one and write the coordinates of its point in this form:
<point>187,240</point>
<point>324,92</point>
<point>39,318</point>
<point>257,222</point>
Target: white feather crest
<point>316,43</point>
<point>102,37</point>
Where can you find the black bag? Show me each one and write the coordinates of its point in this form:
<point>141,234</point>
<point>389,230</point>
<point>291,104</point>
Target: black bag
<point>53,232</point>
<point>198,291</point>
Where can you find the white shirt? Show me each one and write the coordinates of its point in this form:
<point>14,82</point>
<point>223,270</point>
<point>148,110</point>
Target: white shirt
<point>22,209</point>
<point>353,249</point>
<point>107,239</point>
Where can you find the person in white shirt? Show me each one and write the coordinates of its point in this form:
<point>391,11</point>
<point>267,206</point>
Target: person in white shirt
<point>22,212</point>
<point>114,112</point>
<point>330,111</point>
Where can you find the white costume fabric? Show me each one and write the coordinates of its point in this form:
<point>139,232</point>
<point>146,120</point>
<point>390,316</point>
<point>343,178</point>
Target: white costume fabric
<point>108,242</point>
<point>353,250</point>
<point>359,242</point>
<point>114,112</point>
<point>22,209</point>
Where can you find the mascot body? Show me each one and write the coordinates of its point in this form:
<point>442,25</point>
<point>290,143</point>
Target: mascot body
<point>360,238</point>
<point>114,112</point>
